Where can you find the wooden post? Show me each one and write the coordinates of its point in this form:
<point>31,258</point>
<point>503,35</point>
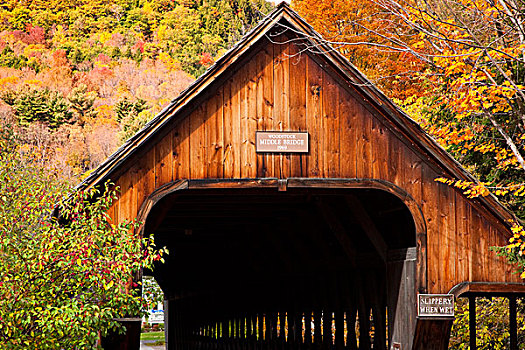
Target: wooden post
<point>472,321</point>
<point>432,333</point>
<point>513,325</point>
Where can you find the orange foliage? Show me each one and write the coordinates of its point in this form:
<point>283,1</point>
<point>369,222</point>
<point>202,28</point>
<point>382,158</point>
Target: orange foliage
<point>360,31</point>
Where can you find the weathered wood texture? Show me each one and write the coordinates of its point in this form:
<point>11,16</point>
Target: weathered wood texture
<point>275,88</point>
<point>432,334</point>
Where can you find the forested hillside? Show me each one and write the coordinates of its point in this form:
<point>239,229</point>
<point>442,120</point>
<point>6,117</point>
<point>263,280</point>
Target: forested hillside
<point>77,78</point>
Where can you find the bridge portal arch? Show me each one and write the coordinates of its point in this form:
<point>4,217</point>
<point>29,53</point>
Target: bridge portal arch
<point>294,262</point>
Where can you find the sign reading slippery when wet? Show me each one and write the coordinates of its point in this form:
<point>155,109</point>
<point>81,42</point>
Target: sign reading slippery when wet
<point>279,141</point>
<point>435,305</point>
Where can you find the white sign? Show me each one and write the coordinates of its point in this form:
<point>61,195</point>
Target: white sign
<point>155,316</point>
<point>281,142</point>
<point>435,305</point>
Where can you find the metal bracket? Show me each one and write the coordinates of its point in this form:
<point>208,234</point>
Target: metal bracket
<point>282,185</point>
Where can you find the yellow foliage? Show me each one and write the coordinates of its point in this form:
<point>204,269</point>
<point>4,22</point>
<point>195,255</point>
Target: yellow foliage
<point>105,115</point>
<point>104,37</point>
<point>10,80</point>
<point>170,63</point>
<point>34,82</point>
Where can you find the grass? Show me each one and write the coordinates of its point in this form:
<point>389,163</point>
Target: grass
<point>158,336</point>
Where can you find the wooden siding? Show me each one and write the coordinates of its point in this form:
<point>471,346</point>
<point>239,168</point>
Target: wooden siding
<point>276,88</point>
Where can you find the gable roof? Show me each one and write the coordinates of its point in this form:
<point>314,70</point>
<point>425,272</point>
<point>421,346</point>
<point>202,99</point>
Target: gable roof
<point>353,76</point>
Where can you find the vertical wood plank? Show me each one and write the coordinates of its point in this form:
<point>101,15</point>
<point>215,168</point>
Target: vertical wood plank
<point>447,232</point>
<point>308,328</point>
<point>198,143</point>
<point>281,92</point>
<point>330,126</point>
<point>378,286</point>
<point>430,204</point>
<point>395,161</point>
<point>250,125</point>
<point>469,241</point>
<point>236,123</point>
<point>462,262</point>
<point>484,249</point>
<point>163,158</point>
<point>327,328</point>
<point>181,150</point>
<point>297,80</point>
<point>282,328</point>
<point>268,103</point>
<point>494,261</point>
<point>113,210</point>
<point>264,68</point>
<point>363,127</point>
<point>244,78</point>
<point>242,331</point>
<point>260,328</point>
<point>314,82</point>
<point>145,180</point>
<point>228,157</point>
<point>214,134</point>
<point>350,307</point>
<point>133,205</point>
<point>363,306</point>
<point>126,195</point>
<point>317,335</point>
<point>476,244</point>
<point>375,151</point>
<point>254,330</point>
<point>379,139</point>
<point>412,173</point>
<point>348,116</point>
<point>274,331</point>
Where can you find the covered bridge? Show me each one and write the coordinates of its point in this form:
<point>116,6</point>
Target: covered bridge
<point>320,232</point>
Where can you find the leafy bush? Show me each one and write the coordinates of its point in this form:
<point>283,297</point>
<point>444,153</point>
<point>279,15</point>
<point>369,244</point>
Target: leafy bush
<point>64,278</point>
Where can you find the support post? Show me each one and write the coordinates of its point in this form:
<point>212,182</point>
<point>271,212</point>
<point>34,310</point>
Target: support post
<point>472,321</point>
<point>513,325</point>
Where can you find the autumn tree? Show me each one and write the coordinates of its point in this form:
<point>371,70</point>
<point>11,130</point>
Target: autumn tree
<point>362,31</point>
<point>43,105</point>
<point>65,277</point>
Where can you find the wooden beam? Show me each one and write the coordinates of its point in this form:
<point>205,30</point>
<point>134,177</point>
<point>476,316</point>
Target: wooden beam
<point>312,220</point>
<point>493,288</point>
<point>328,183</point>
<point>361,215</point>
<point>402,254</point>
<point>338,230</point>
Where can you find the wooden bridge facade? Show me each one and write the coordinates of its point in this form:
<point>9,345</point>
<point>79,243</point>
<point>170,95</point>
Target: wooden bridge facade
<point>323,249</point>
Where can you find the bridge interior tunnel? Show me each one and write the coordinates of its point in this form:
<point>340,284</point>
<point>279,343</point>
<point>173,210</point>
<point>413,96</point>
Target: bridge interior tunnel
<point>293,269</point>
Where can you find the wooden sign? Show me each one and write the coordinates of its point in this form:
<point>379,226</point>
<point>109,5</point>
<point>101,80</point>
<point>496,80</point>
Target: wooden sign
<point>435,305</point>
<point>281,142</point>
